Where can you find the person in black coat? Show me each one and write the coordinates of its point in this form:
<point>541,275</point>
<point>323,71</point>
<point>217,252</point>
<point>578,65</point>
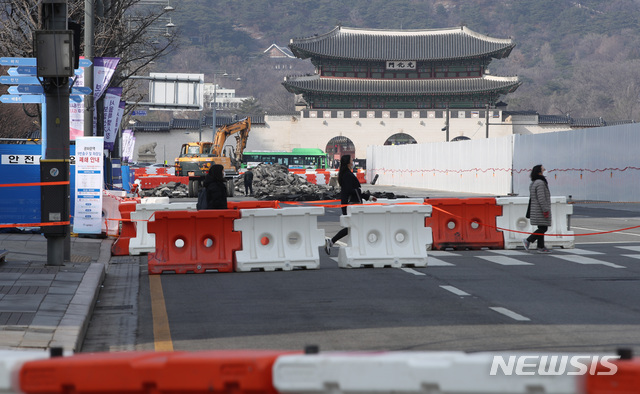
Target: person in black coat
<point>248,182</point>
<point>216,187</point>
<point>350,193</point>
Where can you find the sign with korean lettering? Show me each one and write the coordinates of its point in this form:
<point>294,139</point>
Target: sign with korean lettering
<point>88,185</point>
<point>20,159</point>
<point>401,64</point>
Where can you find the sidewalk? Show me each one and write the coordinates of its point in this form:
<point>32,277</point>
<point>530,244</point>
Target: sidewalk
<point>43,306</point>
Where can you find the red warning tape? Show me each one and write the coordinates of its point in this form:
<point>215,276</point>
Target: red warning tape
<point>35,184</point>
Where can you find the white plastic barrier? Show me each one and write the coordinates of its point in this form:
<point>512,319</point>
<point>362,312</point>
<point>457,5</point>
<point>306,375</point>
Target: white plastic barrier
<point>513,218</point>
<point>282,238</point>
<point>385,235</point>
<point>10,363</point>
<point>390,201</point>
<point>111,200</point>
<point>410,372</point>
<point>155,200</point>
<point>145,242</point>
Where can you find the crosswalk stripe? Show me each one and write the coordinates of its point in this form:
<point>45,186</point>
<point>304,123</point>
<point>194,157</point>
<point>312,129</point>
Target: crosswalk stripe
<point>632,248</point>
<point>433,262</point>
<point>581,252</point>
<point>504,260</point>
<point>587,261</point>
<point>442,253</point>
<point>509,252</point>
<point>633,256</point>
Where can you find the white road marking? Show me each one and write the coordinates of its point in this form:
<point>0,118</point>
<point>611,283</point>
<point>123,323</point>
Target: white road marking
<point>433,262</point>
<point>509,313</point>
<point>581,252</point>
<point>633,256</point>
<point>412,271</point>
<point>442,253</point>
<point>509,252</point>
<point>456,291</point>
<point>600,231</point>
<point>587,261</point>
<point>504,260</point>
<point>633,248</point>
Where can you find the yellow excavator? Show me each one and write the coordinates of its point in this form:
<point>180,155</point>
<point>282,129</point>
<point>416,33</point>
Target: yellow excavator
<point>197,157</point>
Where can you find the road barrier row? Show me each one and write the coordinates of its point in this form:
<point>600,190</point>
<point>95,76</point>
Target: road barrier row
<point>284,371</point>
<point>382,234</point>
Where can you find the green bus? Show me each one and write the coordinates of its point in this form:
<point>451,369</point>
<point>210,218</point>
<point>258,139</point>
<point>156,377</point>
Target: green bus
<point>298,158</point>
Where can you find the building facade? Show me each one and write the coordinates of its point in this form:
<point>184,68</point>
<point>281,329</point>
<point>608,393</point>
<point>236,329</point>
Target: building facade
<point>401,69</point>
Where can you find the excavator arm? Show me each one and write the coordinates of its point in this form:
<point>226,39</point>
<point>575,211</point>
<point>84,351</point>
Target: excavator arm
<point>242,126</point>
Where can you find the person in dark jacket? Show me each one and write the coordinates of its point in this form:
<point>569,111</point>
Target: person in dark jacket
<point>540,210</point>
<point>216,187</point>
<point>350,193</point>
<point>248,182</point>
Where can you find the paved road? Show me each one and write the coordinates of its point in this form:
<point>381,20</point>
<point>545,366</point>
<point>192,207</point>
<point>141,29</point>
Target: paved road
<point>583,299</point>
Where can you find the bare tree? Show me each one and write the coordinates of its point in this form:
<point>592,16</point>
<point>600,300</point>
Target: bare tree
<point>133,30</point>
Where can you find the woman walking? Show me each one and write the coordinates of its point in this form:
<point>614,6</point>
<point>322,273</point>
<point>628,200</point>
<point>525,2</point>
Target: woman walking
<point>540,209</point>
<point>350,193</point>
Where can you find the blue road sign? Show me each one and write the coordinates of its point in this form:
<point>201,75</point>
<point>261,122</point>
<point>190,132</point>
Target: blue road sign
<point>22,98</point>
<point>18,61</point>
<point>85,62</point>
<point>139,112</point>
<point>76,98</point>
<point>20,80</point>
<point>28,70</point>
<point>81,90</point>
<point>13,71</point>
<point>26,89</point>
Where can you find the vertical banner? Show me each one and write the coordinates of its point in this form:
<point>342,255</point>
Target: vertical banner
<point>88,185</point>
<point>111,123</point>
<point>128,142</point>
<point>76,111</point>
<point>103,70</point>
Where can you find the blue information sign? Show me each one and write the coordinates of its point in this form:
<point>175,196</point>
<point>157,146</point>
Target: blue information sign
<point>18,61</point>
<point>22,98</point>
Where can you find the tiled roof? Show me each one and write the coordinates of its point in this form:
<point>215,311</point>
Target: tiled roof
<point>187,124</point>
<point>554,119</point>
<point>286,52</point>
<point>382,45</point>
<point>360,86</point>
<point>588,122</point>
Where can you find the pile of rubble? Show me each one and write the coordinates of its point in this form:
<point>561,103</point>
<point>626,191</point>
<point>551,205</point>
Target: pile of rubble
<point>170,189</point>
<point>275,182</point>
<point>270,182</point>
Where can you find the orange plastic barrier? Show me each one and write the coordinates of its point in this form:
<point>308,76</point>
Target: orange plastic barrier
<point>153,181</point>
<point>626,378</point>
<point>223,371</point>
<point>458,223</point>
<point>252,204</point>
<point>128,230</point>
<point>360,176</point>
<point>194,241</point>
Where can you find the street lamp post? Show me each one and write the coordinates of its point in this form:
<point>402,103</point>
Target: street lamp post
<point>215,99</point>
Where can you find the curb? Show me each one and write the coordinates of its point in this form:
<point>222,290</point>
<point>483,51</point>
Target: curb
<point>70,333</point>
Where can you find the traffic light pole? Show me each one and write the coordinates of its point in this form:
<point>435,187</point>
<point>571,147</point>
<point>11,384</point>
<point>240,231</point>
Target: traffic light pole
<point>54,54</point>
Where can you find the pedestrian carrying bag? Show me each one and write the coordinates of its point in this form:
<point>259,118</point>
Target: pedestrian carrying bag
<point>202,199</point>
<point>528,214</point>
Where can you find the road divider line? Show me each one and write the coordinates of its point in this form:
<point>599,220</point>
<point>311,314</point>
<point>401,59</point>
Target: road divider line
<point>509,313</point>
<point>603,231</point>
<point>456,291</point>
<point>412,271</point>
<point>161,331</point>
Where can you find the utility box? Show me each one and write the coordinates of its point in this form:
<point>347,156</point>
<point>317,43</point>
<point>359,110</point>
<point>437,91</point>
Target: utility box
<point>54,53</point>
<point>54,198</point>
